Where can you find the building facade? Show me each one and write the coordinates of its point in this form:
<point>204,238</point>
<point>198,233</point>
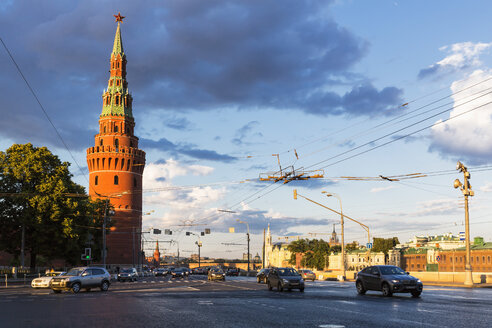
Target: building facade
<point>116,163</point>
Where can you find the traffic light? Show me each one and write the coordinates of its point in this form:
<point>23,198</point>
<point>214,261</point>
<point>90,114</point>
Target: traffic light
<point>168,232</point>
<point>202,233</point>
<point>157,231</point>
<point>207,231</point>
<point>87,254</point>
<point>187,233</point>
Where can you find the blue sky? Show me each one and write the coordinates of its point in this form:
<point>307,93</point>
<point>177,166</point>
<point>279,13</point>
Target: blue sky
<point>220,86</point>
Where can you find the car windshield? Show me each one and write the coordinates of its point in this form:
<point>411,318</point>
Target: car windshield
<point>385,270</point>
<point>74,272</point>
<point>127,271</point>
<point>287,272</point>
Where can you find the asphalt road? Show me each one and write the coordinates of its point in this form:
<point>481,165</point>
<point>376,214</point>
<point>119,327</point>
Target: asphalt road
<point>241,302</point>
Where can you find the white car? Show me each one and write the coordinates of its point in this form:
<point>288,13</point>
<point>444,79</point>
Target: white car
<point>44,282</point>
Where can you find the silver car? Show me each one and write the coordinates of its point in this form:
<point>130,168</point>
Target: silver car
<point>82,278</point>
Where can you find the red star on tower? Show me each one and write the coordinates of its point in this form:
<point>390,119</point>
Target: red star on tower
<point>118,17</point>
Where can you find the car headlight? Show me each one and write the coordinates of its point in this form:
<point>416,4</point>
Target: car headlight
<point>285,280</point>
<point>395,281</point>
<point>301,280</point>
<point>418,280</point>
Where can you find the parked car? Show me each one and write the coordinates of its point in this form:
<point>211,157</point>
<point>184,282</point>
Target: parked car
<point>199,270</point>
<point>81,278</point>
<point>178,273</point>
<point>130,274</point>
<point>285,278</point>
<point>44,282</point>
<point>160,272</point>
<point>232,272</point>
<point>216,274</point>
<point>187,271</point>
<point>389,279</point>
<point>262,275</point>
<point>308,275</point>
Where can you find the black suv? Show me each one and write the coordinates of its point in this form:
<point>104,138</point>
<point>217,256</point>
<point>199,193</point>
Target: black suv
<point>285,278</point>
<point>389,279</point>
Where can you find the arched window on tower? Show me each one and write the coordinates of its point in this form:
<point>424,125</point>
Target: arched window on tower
<point>116,128</point>
<point>100,142</point>
<point>96,180</point>
<point>105,129</point>
<point>134,182</point>
<point>116,144</point>
<point>115,179</point>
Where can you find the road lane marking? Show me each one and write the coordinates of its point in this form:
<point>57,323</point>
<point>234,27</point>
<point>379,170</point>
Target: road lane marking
<point>415,323</point>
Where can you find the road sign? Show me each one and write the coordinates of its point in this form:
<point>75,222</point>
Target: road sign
<point>438,258</point>
<point>369,245</point>
<point>462,236</point>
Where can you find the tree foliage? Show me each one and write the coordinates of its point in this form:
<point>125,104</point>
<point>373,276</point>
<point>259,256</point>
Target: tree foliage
<point>384,244</point>
<point>37,193</point>
<point>314,252</point>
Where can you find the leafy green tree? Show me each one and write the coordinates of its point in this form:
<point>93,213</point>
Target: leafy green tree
<point>314,252</point>
<point>37,194</point>
<point>384,244</point>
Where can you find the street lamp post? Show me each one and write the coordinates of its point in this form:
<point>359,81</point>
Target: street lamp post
<point>339,213</point>
<point>198,243</point>
<point>466,190</point>
<point>247,226</point>
<point>343,240</point>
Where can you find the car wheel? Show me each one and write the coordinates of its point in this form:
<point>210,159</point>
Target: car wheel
<point>279,287</point>
<point>104,286</point>
<point>75,288</point>
<point>269,286</point>
<point>87,289</point>
<point>416,294</point>
<point>360,288</point>
<point>313,280</point>
<point>386,290</point>
<point>56,291</point>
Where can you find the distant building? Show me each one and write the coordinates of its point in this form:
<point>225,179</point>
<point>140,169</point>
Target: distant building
<point>334,238</point>
<point>276,254</point>
<point>355,260</point>
<point>446,241</point>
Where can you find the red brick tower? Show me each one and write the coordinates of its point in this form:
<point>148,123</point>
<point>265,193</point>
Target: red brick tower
<point>116,164</point>
<point>157,254</point>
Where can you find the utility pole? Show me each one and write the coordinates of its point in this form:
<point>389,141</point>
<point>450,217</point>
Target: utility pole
<point>343,240</point>
<point>466,190</point>
<point>104,232</point>
<point>23,242</point>
<point>247,234</point>
<point>133,246</point>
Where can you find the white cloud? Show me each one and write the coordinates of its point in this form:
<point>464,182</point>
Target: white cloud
<point>431,208</point>
<point>463,54</point>
<point>460,56</point>
<point>486,188</point>
<point>470,135</point>
<point>175,204</point>
<point>381,189</point>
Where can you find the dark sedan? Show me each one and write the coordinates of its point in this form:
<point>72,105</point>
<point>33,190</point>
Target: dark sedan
<point>178,273</point>
<point>262,275</point>
<point>285,278</point>
<point>389,279</point>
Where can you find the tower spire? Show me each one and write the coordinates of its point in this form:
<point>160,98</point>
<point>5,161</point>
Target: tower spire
<point>118,44</point>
